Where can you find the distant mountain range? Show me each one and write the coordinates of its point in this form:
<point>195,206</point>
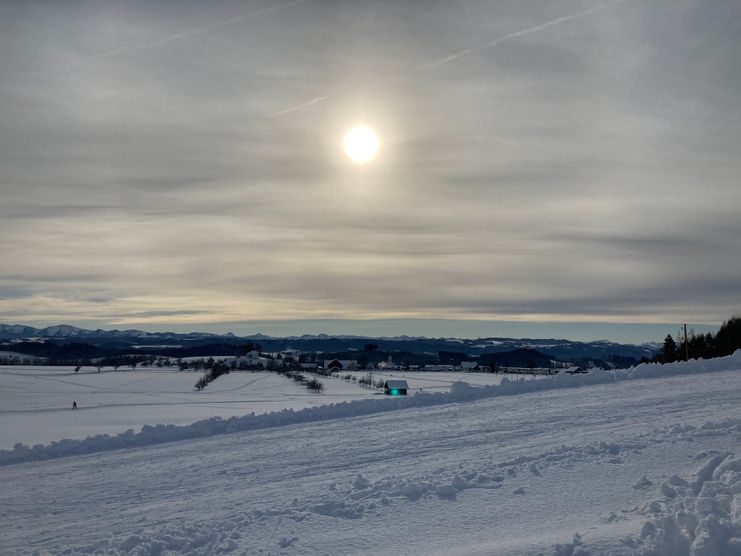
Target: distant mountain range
<point>17,331</point>
<point>65,331</point>
<point>564,350</point>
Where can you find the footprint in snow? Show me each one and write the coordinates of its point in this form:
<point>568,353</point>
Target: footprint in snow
<point>642,483</point>
<point>285,542</point>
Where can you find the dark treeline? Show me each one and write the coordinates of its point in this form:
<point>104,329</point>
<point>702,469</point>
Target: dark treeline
<point>77,353</point>
<point>207,350</point>
<point>525,358</point>
<point>67,353</point>
<point>703,346</point>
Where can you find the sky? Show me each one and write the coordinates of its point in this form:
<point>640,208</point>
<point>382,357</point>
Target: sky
<point>567,168</point>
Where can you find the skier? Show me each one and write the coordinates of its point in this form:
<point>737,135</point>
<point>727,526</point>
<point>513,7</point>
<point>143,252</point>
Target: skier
<point>74,405</point>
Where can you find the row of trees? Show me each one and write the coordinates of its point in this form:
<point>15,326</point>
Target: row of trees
<point>368,381</point>
<point>311,383</point>
<point>703,346</point>
<point>217,369</point>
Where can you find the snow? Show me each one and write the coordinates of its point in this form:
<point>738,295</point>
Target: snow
<point>602,463</point>
<point>430,381</point>
<point>36,402</point>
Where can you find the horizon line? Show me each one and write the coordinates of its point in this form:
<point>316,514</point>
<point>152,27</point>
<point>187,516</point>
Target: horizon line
<point>636,333</point>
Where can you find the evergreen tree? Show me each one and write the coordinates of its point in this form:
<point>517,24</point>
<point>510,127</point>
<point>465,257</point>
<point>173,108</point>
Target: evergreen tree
<point>728,338</point>
<point>669,350</point>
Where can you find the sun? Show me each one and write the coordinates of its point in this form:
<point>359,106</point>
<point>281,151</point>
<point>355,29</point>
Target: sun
<point>361,144</point>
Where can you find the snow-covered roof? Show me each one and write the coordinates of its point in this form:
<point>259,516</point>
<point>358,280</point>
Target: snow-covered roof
<point>397,385</point>
<point>343,362</point>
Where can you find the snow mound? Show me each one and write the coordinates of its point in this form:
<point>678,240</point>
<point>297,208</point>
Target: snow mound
<point>460,392</point>
<point>698,516</point>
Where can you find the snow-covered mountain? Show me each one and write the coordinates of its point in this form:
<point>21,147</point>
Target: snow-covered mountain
<point>16,331</point>
<point>561,349</point>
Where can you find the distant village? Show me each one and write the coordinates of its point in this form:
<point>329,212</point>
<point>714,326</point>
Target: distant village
<point>313,362</point>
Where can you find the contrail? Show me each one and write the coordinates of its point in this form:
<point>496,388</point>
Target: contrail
<point>164,40</point>
<point>312,102</point>
<point>500,40</point>
<point>467,51</point>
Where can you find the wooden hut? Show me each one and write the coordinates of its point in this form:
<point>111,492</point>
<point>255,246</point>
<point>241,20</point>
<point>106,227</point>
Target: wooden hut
<point>395,387</point>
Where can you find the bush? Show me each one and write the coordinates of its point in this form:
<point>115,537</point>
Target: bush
<point>202,382</point>
<point>315,386</point>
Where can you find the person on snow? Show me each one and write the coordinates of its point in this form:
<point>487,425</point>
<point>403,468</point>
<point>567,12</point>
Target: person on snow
<point>74,405</point>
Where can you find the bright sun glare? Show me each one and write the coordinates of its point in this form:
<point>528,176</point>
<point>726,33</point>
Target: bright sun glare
<point>361,144</point>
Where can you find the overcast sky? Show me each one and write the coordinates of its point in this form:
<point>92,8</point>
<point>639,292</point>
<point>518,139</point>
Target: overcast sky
<point>179,164</point>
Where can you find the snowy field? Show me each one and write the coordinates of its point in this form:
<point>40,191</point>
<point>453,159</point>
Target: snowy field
<point>615,463</point>
<point>424,381</point>
<point>36,402</point>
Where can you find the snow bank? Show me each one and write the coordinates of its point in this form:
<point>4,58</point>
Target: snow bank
<point>460,392</point>
<point>698,516</point>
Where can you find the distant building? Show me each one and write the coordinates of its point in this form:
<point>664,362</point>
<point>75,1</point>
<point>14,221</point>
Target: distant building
<point>291,354</point>
<point>469,366</point>
<point>340,364</point>
<point>388,364</point>
<point>253,359</point>
<point>444,368</point>
<point>395,388</point>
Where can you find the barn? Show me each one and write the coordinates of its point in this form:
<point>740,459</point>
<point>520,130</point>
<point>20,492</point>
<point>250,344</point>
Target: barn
<point>340,364</point>
<point>395,387</point>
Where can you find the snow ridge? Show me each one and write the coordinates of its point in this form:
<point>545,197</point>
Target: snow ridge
<point>460,392</point>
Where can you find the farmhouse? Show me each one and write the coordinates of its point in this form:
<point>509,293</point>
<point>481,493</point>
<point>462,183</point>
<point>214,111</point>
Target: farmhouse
<point>395,388</point>
<point>469,366</point>
<point>253,358</point>
<point>340,364</point>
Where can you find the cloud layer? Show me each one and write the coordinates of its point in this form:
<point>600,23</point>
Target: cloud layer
<point>181,163</point>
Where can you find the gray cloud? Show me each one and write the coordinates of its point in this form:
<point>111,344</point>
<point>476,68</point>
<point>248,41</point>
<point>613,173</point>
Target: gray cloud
<point>584,169</point>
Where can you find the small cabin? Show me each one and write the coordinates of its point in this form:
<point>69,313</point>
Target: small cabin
<point>395,387</point>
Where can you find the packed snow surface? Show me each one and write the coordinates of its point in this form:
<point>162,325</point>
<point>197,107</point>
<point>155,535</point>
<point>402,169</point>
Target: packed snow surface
<point>604,463</point>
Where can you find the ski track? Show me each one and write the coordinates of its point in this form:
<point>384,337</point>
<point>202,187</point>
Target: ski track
<point>243,386</point>
<point>636,467</point>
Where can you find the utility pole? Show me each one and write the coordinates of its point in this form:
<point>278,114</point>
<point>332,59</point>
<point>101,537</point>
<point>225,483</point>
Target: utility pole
<point>686,344</point>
